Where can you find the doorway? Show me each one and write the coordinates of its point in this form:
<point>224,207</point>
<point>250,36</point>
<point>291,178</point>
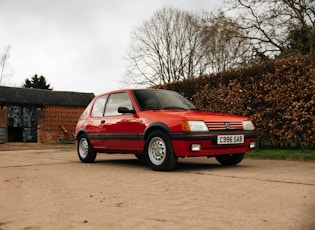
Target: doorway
<point>22,123</point>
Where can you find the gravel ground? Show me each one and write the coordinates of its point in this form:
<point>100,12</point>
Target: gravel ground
<point>47,187</point>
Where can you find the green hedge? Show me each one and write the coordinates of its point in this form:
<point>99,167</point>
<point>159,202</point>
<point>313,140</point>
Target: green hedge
<point>278,95</point>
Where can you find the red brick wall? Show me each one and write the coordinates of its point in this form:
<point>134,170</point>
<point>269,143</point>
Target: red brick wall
<point>3,124</point>
<point>57,123</point>
<point>54,123</point>
<point>3,116</point>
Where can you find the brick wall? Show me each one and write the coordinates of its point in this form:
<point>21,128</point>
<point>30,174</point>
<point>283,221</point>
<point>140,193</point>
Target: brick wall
<point>54,123</point>
<point>57,123</point>
<point>3,124</point>
<point>3,116</point>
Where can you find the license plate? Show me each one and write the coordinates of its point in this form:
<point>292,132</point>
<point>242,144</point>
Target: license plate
<point>230,139</point>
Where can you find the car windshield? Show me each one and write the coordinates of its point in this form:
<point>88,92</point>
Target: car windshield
<point>162,100</point>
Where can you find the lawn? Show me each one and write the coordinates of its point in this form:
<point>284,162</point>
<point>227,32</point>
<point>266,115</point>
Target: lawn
<point>282,154</point>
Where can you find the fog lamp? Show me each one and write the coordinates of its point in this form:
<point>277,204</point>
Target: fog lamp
<point>195,147</point>
<point>252,144</point>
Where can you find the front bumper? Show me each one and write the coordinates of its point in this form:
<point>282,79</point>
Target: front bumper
<point>183,143</point>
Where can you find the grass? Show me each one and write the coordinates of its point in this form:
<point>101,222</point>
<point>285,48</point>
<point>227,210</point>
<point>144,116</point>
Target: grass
<point>282,154</point>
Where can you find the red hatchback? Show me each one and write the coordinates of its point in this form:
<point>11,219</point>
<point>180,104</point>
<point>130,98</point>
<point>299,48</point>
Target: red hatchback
<point>158,126</point>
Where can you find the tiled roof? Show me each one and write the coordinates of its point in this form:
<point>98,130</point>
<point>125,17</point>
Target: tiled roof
<point>41,97</point>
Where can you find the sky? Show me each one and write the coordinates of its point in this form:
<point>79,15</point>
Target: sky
<point>77,45</point>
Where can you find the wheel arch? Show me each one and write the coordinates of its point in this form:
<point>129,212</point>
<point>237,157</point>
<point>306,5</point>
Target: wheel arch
<point>157,126</point>
<point>80,132</point>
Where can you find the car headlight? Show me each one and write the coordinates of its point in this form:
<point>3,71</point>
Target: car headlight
<point>248,125</point>
<point>194,126</point>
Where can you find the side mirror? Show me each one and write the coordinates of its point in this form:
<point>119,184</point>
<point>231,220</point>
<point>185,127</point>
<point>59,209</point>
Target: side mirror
<point>126,110</point>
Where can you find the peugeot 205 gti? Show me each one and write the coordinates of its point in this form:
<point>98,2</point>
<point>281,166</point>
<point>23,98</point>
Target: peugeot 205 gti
<point>158,126</point>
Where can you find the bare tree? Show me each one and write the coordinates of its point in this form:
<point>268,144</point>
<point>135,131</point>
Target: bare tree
<point>166,48</point>
<point>4,62</point>
<point>267,23</point>
<point>225,49</point>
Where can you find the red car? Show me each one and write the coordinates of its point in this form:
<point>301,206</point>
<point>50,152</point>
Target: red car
<point>158,126</point>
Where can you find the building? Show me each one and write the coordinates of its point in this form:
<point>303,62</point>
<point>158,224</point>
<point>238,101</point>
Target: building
<point>37,115</point>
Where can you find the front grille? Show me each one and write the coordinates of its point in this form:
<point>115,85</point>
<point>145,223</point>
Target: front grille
<point>220,125</point>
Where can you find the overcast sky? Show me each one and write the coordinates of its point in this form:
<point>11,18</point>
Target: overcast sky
<point>77,45</point>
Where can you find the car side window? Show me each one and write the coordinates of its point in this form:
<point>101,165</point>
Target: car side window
<point>99,106</point>
<point>115,101</point>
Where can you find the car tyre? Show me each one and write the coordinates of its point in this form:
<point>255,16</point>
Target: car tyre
<point>86,152</point>
<point>141,158</point>
<point>159,153</point>
<point>230,159</point>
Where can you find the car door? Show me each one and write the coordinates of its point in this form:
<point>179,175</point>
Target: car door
<point>120,131</point>
<point>94,126</point>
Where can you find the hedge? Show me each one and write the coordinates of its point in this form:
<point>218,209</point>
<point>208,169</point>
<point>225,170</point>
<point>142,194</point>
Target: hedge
<point>278,95</point>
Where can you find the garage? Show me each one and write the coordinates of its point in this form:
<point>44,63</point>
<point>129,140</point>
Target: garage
<point>37,115</point>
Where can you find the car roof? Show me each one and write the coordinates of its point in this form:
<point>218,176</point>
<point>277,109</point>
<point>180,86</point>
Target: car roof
<point>127,90</point>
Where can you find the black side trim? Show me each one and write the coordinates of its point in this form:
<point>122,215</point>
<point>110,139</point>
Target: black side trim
<point>174,136</point>
<point>114,136</point>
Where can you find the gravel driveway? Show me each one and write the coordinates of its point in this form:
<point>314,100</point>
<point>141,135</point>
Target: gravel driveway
<point>50,189</point>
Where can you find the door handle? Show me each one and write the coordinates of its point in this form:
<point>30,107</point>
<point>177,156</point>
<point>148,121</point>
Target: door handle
<point>102,122</point>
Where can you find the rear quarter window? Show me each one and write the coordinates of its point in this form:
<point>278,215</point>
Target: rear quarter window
<point>99,106</point>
